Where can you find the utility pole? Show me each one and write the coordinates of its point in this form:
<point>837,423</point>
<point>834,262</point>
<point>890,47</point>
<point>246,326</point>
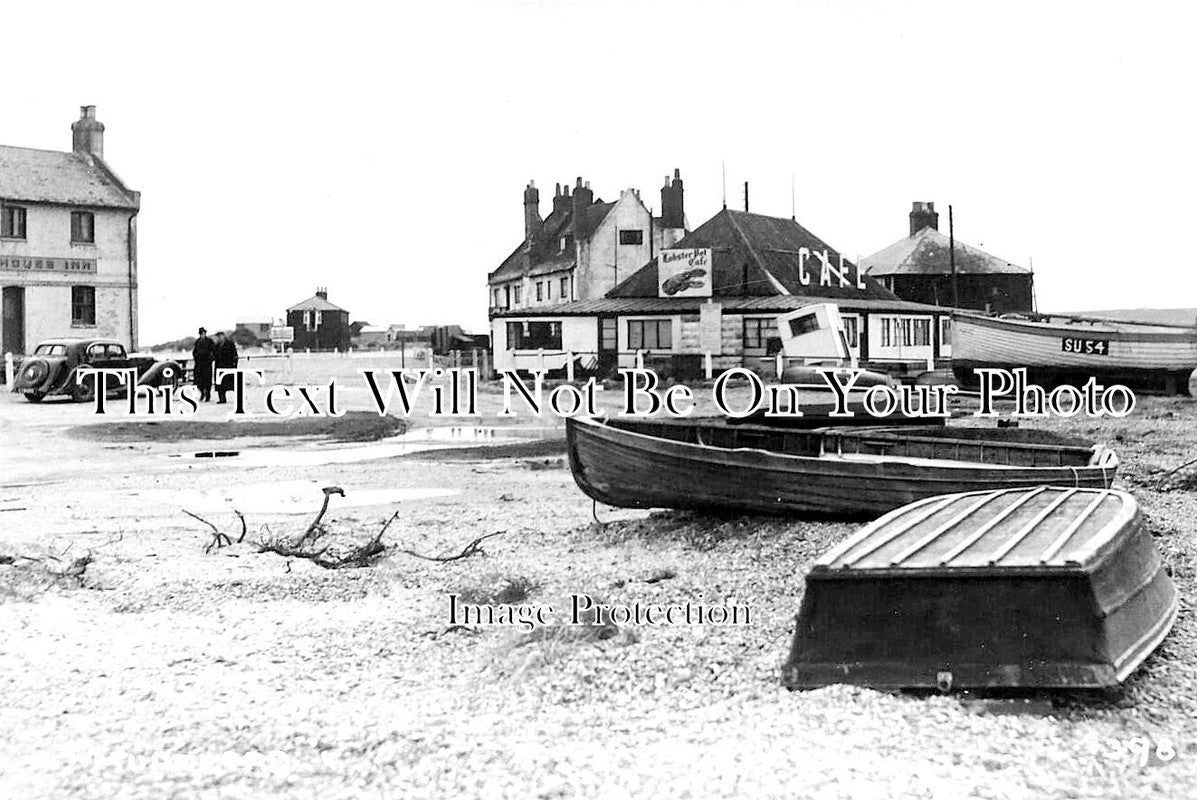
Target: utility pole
<point>952,259</point>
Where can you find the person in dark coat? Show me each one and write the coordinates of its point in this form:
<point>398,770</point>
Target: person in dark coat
<point>203,354</point>
<point>226,358</point>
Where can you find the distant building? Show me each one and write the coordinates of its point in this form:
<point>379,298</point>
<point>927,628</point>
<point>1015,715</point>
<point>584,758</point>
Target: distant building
<point>919,268</point>
<point>318,324</point>
<point>584,247</point>
<point>259,329</point>
<point>68,243</point>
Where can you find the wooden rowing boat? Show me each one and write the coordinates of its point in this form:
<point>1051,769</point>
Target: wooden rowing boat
<point>1044,587</point>
<point>1056,348</point>
<point>844,472</point>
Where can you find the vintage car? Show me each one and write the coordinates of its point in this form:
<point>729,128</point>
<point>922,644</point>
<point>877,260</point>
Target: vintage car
<point>60,367</point>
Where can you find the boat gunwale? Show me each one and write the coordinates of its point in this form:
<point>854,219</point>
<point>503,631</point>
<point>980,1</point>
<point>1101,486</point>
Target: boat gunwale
<point>1168,334</point>
<point>1101,458</point>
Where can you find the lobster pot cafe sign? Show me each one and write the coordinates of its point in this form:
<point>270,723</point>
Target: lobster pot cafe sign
<point>684,273</point>
<point>35,264</point>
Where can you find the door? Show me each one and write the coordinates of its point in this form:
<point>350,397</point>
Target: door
<point>608,345</point>
<point>12,336</point>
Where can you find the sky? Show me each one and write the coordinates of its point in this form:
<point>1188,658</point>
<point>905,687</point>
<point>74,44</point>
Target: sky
<point>382,149</point>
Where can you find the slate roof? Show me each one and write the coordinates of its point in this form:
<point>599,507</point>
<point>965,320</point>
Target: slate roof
<point>740,305</point>
<point>51,176</point>
<point>753,254</point>
<point>548,257</point>
<point>316,303</point>
<point>926,253</point>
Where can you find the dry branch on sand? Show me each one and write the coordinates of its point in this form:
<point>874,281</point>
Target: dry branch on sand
<point>318,544</point>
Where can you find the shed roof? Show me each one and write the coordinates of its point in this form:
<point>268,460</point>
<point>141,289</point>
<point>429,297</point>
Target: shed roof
<point>52,176</point>
<point>747,304</point>
<point>927,253</point>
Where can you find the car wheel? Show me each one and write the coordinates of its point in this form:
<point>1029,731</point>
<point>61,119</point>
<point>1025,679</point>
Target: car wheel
<point>34,397</point>
<point>84,391</point>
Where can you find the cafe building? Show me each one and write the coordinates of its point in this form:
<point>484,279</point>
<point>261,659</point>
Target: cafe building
<point>711,301</point>
<point>68,243</point>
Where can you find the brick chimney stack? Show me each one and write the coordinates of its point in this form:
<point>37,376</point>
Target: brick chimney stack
<point>673,214</point>
<point>561,200</point>
<point>322,292</point>
<point>532,222</point>
<point>88,133</point>
<point>583,199</point>
<point>922,215</point>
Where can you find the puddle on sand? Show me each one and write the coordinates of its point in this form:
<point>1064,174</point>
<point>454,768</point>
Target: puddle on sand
<point>285,497</point>
<point>415,441</point>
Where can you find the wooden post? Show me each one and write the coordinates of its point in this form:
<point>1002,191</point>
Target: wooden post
<point>639,359</point>
<point>486,365</point>
<point>540,360</point>
<point>457,359</point>
<point>9,376</point>
<point>781,361</point>
<point>708,364</point>
<point>569,367</point>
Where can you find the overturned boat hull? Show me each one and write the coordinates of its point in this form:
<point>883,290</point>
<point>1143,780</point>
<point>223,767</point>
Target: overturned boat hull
<point>862,473</point>
<point>1047,588</point>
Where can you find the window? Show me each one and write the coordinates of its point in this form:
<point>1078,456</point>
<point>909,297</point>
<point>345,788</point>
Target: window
<point>887,331</point>
<point>548,289</point>
<point>650,334</point>
<point>945,331</point>
<point>852,330</point>
<point>758,332</point>
<point>565,288</point>
<point>12,222</point>
<point>804,324</point>
<point>83,227</point>
<point>83,305</point>
<point>608,334</point>
<point>533,335</point>
<point>916,332</point>
<point>518,292</point>
<point>507,295</point>
<point>319,318</point>
<point>566,241</point>
<point>631,237</point>
<point>539,291</point>
<point>494,298</point>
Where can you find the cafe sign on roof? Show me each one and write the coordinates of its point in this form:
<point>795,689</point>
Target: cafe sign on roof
<point>71,266</point>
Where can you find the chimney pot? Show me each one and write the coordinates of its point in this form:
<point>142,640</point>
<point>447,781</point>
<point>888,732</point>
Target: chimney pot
<point>923,215</point>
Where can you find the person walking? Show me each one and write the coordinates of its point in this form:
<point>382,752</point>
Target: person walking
<point>202,354</point>
<point>226,358</point>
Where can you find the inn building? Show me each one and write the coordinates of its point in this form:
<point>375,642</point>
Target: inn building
<point>68,243</point>
<point>717,292</point>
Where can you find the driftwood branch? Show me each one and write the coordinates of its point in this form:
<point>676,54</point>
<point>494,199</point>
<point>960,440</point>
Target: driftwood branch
<point>219,538</point>
<point>471,549</point>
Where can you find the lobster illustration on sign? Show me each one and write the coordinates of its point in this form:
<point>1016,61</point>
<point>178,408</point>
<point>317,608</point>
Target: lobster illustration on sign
<point>690,279</point>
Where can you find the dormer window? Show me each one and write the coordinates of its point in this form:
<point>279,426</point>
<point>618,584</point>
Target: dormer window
<point>566,242</point>
<point>83,227</point>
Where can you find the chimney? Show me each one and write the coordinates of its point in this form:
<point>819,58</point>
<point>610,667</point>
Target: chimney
<point>532,222</point>
<point>561,200</point>
<point>583,199</point>
<point>672,210</point>
<point>88,134</point>
<point>322,292</point>
<point>922,215</point>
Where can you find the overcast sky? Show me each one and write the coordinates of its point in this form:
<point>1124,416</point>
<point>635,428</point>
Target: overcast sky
<point>382,149</point>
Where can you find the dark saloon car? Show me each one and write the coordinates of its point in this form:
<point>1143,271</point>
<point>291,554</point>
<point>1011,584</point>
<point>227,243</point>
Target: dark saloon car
<point>54,364</point>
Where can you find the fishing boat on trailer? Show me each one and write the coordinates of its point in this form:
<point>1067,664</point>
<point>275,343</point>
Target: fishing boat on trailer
<point>1063,349</point>
<point>709,464</point>
<point>1048,587</point>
